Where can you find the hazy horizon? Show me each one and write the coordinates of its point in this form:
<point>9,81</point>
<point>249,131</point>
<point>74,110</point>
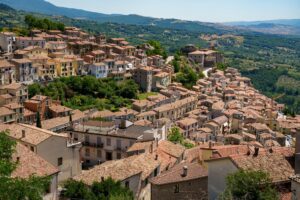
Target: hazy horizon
<point>196,10</point>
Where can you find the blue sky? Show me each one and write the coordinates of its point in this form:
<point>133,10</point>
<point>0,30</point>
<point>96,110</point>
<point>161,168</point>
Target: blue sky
<point>202,10</point>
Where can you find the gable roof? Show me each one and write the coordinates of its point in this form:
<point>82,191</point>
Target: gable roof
<point>120,170</point>
<point>175,174</point>
<point>31,164</point>
<point>33,135</point>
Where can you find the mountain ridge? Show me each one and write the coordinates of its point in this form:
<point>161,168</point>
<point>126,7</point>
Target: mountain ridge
<point>44,7</point>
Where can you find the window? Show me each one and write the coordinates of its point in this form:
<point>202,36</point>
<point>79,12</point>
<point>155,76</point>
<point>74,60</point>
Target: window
<point>127,184</point>
<point>176,188</point>
<point>87,139</point>
<point>59,161</point>
<point>99,141</point>
<point>76,136</point>
<point>155,172</point>
<point>99,153</point>
<point>32,148</point>
<point>87,152</point>
<point>108,141</point>
<point>118,155</point>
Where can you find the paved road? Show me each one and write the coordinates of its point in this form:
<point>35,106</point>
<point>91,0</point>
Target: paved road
<point>205,72</point>
<point>169,59</point>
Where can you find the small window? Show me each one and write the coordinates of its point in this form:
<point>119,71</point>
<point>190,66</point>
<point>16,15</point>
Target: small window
<point>108,141</point>
<point>118,155</point>
<point>32,148</point>
<point>99,154</point>
<point>59,161</point>
<point>87,152</point>
<point>176,188</point>
<point>127,184</point>
<point>155,172</point>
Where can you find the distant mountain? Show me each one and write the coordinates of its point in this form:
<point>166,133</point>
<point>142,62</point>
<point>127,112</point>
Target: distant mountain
<point>44,7</point>
<point>281,26</point>
<point>289,22</point>
<point>285,27</point>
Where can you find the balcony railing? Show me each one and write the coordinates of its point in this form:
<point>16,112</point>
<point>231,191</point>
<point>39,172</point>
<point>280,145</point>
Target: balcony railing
<point>89,144</point>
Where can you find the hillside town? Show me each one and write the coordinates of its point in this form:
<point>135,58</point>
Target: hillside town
<point>228,124</point>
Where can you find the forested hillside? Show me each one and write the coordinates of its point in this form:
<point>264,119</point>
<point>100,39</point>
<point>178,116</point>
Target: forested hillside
<point>271,61</point>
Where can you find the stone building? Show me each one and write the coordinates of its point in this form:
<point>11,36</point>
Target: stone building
<point>184,181</point>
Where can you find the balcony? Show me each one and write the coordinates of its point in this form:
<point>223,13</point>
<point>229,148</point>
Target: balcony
<point>89,144</point>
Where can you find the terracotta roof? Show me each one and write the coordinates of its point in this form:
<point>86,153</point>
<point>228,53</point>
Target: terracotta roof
<point>31,164</point>
<point>175,150</point>
<point>220,120</point>
<point>5,111</point>
<point>175,174</point>
<point>59,108</point>
<point>59,121</point>
<point>175,105</point>
<point>98,123</point>
<point>5,63</point>
<point>120,170</point>
<point>6,96</point>
<point>33,135</point>
<point>275,164</point>
<point>140,146</point>
<point>103,114</point>
<point>142,122</point>
<point>187,121</point>
<point>13,106</point>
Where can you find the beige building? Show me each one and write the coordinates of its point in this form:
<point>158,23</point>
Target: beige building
<point>177,109</point>
<point>17,90</point>
<point>56,149</point>
<point>102,141</point>
<point>38,167</point>
<point>7,115</point>
<point>7,40</point>
<point>7,72</point>
<point>184,181</point>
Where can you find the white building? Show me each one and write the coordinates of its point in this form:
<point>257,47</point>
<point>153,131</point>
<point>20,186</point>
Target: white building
<point>99,70</point>
<point>7,40</point>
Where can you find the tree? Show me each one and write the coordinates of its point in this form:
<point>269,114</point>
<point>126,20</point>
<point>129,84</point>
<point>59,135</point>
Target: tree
<point>107,189</point>
<point>158,49</point>
<point>175,136</point>
<point>38,120</point>
<point>249,185</point>
<point>222,66</point>
<point>111,189</point>
<point>17,188</point>
<point>187,76</point>
<point>77,190</point>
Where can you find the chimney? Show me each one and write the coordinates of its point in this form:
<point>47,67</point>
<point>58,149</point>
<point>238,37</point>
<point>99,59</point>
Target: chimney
<point>23,133</point>
<point>297,152</point>
<point>185,171</point>
<point>256,151</point>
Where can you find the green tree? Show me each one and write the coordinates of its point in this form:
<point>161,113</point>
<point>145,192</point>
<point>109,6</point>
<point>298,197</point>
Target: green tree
<point>175,136</point>
<point>38,120</point>
<point>111,189</point>
<point>105,190</point>
<point>187,76</point>
<point>158,49</point>
<point>249,185</point>
<point>32,188</point>
<point>77,190</point>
